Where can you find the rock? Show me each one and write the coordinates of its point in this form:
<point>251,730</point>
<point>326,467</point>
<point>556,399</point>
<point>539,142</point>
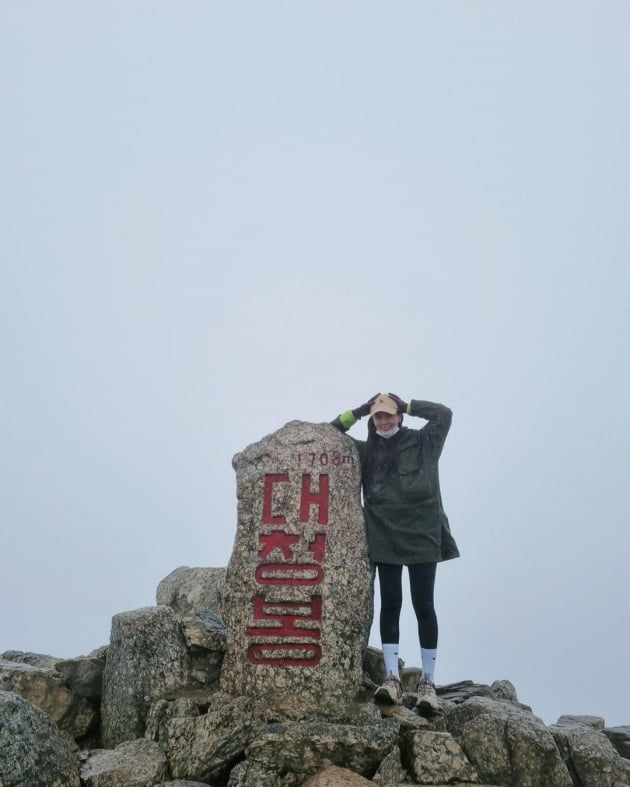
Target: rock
<point>298,594</point>
<point>245,774</point>
<point>620,739</point>
<point>206,747</point>
<point>34,659</point>
<point>590,757</point>
<point>297,750</point>
<point>432,757</point>
<point>410,677</point>
<point>44,687</point>
<point>41,686</point>
<point>138,763</point>
<point>83,676</point>
<point>98,653</point>
<point>182,783</point>
<point>31,746</point>
<point>198,735</point>
<point>503,690</point>
<point>408,719</point>
<point>205,635</point>
<point>333,776</point>
<point>391,769</point>
<point>188,590</point>
<point>147,660</point>
<point>506,744</point>
<point>594,722</point>
<point>204,629</point>
<point>162,711</point>
<point>464,690</point>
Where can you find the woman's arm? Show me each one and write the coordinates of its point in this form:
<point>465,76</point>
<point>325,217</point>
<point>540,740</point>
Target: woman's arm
<point>344,421</point>
<point>439,419</point>
<point>349,418</point>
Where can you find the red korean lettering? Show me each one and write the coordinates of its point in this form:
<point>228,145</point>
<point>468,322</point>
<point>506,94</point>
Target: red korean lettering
<point>293,574</point>
<point>283,617</point>
<point>310,498</point>
<point>268,518</point>
<point>285,654</point>
<point>277,540</point>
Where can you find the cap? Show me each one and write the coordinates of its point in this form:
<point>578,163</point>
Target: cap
<point>384,404</point>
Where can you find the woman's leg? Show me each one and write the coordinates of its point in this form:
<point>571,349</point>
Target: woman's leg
<point>422,584</point>
<point>390,583</point>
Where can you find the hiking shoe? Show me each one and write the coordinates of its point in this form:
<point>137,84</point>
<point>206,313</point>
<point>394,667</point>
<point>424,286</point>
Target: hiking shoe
<point>390,692</point>
<point>427,698</point>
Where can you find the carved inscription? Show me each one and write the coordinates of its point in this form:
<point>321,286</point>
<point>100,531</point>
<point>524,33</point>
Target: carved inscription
<point>285,633</point>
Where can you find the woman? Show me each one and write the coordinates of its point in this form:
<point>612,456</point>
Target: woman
<point>406,524</point>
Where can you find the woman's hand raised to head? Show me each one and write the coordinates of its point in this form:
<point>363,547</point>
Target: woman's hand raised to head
<point>364,409</point>
<point>402,405</point>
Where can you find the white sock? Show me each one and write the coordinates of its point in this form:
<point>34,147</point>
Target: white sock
<point>428,656</point>
<point>390,657</point>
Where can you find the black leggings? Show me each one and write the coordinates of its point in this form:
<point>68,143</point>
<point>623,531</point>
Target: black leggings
<point>421,583</point>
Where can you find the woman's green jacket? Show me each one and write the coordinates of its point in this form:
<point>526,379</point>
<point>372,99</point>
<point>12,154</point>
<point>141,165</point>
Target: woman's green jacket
<point>405,520</point>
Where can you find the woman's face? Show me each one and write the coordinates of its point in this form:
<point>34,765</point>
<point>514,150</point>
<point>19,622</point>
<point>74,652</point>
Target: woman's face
<point>385,422</point>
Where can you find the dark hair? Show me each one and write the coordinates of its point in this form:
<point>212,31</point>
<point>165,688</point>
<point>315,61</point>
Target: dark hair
<point>385,461</point>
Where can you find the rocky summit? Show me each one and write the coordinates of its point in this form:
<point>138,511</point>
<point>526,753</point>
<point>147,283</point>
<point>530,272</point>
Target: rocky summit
<point>258,674</point>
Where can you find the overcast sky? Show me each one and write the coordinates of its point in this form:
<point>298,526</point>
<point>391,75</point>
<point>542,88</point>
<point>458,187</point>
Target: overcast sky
<point>220,217</point>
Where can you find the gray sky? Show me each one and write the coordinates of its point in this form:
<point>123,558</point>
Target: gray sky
<point>220,217</point>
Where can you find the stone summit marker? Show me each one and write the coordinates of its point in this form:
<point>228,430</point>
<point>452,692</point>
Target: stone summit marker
<point>298,593</point>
